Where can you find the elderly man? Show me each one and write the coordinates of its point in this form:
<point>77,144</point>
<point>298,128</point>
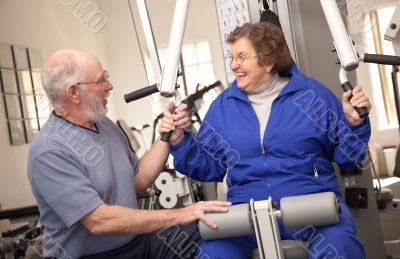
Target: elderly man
<point>85,178</point>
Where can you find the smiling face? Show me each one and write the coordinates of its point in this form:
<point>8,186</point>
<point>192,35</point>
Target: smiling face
<point>249,73</point>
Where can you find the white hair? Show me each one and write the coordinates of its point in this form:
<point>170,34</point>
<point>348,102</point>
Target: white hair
<point>60,70</point>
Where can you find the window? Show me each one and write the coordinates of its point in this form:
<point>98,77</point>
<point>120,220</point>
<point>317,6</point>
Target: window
<point>381,105</point>
<point>197,65</point>
<point>198,69</point>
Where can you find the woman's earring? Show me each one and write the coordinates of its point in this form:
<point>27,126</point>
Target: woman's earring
<point>269,68</point>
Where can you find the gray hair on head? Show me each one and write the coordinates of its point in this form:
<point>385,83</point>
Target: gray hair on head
<point>61,70</point>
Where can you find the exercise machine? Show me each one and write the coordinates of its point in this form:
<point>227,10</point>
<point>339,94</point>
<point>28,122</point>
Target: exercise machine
<point>25,240</point>
<point>261,218</point>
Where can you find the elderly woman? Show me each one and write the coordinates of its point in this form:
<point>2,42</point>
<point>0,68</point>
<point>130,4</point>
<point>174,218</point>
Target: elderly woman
<point>274,132</point>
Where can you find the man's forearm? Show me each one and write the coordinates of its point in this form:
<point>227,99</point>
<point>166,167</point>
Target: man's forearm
<point>151,165</point>
<point>120,220</point>
<point>109,219</point>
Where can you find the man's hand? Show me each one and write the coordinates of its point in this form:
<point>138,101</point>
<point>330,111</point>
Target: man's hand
<point>177,122</point>
<point>196,211</point>
<point>355,98</point>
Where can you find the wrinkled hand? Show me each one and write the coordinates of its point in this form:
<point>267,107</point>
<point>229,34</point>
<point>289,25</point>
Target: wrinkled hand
<point>177,122</point>
<point>353,98</point>
<point>196,211</point>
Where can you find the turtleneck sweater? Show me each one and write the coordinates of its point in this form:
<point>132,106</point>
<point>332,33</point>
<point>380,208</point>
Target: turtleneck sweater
<point>261,99</point>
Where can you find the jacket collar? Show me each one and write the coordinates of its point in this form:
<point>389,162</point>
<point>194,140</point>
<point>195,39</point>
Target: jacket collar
<point>295,83</point>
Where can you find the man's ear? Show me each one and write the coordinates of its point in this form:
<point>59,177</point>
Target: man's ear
<point>72,93</point>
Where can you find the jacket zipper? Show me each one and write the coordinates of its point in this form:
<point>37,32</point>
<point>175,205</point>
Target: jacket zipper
<point>262,148</point>
<point>228,179</point>
<point>315,170</point>
<point>229,182</point>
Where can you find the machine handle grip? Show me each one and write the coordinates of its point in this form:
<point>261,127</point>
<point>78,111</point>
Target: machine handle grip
<point>167,135</point>
<point>382,59</point>
<point>135,95</point>
<point>22,212</point>
<point>362,111</point>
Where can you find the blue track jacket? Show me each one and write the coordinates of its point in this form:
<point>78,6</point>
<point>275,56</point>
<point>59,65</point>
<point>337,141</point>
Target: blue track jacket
<point>306,131</point>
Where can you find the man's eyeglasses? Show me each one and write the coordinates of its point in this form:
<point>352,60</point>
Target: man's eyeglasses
<point>104,81</point>
<point>239,59</point>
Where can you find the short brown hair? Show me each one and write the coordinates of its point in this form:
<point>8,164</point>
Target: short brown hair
<point>269,42</point>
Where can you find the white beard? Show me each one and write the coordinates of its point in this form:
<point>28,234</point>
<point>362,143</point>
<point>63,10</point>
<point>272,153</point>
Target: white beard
<point>93,106</point>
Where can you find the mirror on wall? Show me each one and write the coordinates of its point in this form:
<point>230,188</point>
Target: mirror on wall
<point>25,101</point>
